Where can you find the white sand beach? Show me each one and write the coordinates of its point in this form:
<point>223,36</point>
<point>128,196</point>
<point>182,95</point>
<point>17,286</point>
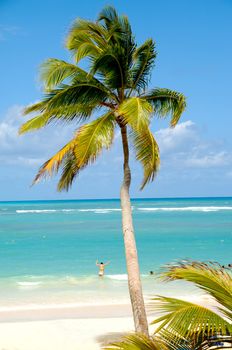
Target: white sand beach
<point>68,334</point>
<point>86,328</point>
<point>68,328</point>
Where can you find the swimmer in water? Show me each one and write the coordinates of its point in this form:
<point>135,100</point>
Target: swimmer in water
<point>101,266</point>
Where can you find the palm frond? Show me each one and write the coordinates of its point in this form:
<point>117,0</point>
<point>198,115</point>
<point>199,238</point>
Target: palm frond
<point>86,32</point>
<point>185,319</point>
<point>108,65</point>
<point>35,107</point>
<point>136,112</point>
<point>143,57</point>
<point>147,152</point>
<point>79,93</point>
<point>52,165</point>
<point>137,342</point>
<point>210,277</point>
<point>70,170</point>
<point>108,15</point>
<point>83,149</point>
<point>167,102</point>
<point>35,123</point>
<point>77,112</point>
<point>54,71</point>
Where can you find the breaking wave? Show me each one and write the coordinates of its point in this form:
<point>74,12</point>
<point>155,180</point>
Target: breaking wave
<point>202,209</point>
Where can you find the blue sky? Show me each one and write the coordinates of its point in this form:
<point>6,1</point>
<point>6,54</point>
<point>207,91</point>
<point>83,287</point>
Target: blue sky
<point>193,41</point>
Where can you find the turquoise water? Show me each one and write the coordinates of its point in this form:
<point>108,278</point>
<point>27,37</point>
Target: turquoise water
<point>48,249</point>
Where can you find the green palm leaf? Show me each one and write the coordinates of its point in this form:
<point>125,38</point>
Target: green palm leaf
<point>143,57</point>
<point>83,149</point>
<point>136,112</point>
<point>86,39</point>
<point>210,277</point>
<point>54,71</point>
<point>137,342</point>
<point>77,112</point>
<point>79,93</point>
<point>166,102</point>
<point>185,319</point>
<point>147,152</point>
<point>35,123</point>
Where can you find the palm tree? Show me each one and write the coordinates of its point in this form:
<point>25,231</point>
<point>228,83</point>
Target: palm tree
<point>115,84</point>
<point>195,323</point>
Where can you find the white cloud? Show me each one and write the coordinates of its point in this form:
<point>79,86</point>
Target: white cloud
<point>210,160</point>
<point>33,148</point>
<point>185,147</point>
<point>170,139</point>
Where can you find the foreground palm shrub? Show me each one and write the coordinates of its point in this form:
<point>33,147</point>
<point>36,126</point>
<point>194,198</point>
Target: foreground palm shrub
<point>113,90</point>
<point>182,320</point>
<point>184,325</point>
<point>138,342</point>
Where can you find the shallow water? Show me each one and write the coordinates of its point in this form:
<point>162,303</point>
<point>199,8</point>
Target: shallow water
<point>48,249</point>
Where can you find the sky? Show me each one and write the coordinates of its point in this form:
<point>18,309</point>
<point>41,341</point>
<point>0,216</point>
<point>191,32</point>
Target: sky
<point>193,41</point>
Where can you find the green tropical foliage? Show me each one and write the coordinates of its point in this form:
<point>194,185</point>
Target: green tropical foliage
<point>114,87</point>
<point>138,342</point>
<point>185,320</point>
<point>184,325</point>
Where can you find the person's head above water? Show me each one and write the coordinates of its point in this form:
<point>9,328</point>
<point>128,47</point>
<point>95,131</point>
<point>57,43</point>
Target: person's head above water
<point>102,263</point>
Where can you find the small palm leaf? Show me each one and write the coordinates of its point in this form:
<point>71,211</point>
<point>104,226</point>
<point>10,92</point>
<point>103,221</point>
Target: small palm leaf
<point>137,342</point>
<point>166,102</point>
<point>144,57</point>
<point>147,152</point>
<point>210,277</point>
<point>70,170</point>
<point>35,123</point>
<point>185,319</point>
<point>78,93</point>
<point>136,112</point>
<point>78,112</point>
<point>86,39</point>
<point>83,149</point>
<point>54,71</point>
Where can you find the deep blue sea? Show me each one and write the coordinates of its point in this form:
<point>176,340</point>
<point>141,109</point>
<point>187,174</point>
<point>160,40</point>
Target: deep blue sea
<point>48,249</point>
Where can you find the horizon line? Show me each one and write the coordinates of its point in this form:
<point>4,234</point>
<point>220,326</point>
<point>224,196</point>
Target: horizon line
<point>111,199</point>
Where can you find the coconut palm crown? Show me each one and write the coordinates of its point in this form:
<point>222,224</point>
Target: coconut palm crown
<point>116,84</point>
<point>111,93</point>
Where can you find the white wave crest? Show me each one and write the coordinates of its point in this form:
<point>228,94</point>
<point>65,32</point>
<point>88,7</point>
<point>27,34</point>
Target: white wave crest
<point>100,211</point>
<point>122,277</point>
<point>36,211</point>
<point>203,209</point>
<point>28,284</point>
<point>39,211</point>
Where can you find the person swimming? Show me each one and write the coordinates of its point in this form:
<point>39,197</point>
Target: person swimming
<point>101,266</point>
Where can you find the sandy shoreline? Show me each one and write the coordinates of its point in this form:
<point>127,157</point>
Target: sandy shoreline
<point>57,313</point>
<point>70,328</point>
<point>87,328</point>
<point>86,334</point>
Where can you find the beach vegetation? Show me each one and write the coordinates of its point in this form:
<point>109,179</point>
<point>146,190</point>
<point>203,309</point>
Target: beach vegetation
<point>185,325</point>
<point>110,93</point>
<point>182,319</point>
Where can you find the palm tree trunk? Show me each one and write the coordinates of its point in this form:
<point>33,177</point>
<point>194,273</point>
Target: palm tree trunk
<point>134,282</point>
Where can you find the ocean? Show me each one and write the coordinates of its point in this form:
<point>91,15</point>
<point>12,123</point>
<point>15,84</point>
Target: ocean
<point>48,249</point>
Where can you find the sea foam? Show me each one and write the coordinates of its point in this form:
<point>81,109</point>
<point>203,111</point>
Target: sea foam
<point>203,209</point>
